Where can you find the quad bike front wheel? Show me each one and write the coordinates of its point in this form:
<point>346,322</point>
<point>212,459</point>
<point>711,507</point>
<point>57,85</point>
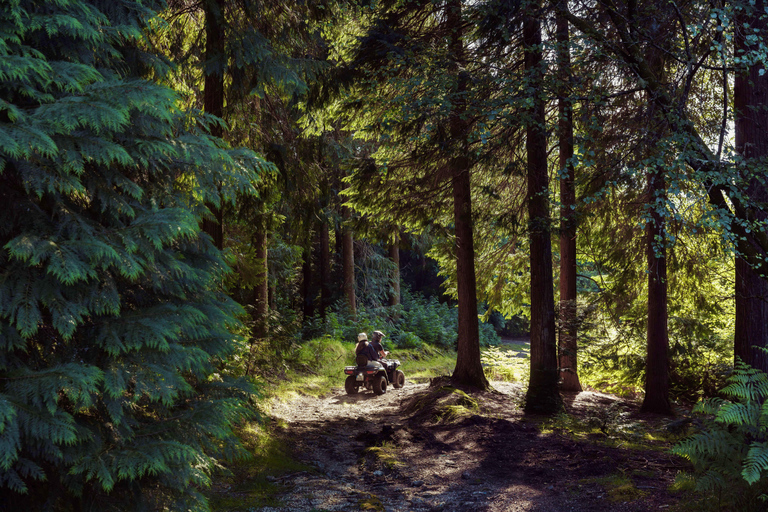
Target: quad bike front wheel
<point>350,385</point>
<point>380,384</point>
<point>399,380</point>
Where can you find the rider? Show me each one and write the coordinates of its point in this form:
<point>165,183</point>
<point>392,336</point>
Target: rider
<point>376,342</point>
<point>365,348</point>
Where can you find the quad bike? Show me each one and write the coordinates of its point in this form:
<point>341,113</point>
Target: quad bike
<point>376,375</point>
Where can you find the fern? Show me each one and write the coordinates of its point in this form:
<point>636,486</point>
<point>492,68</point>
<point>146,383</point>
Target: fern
<point>731,454</point>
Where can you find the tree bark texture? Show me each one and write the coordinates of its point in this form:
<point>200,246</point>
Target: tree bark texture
<point>394,256</point>
<point>543,396</point>
<point>348,262</point>
<point>213,102</point>
<point>469,368</point>
<point>657,338</point>
<point>324,262</point>
<point>569,377</point>
<point>750,97</point>
<point>261,290</point>
<point>307,289</point>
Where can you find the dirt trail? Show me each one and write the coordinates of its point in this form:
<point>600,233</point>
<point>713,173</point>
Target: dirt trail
<point>494,460</point>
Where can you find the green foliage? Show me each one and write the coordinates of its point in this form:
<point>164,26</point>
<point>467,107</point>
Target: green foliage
<point>453,405</point>
<point>250,483</point>
<point>311,367</point>
<point>418,320</point>
<point>113,325</point>
<point>730,453</point>
<point>506,362</point>
<point>620,487</point>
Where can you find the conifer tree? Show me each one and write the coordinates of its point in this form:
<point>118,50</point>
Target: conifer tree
<point>542,395</point>
<point>112,323</point>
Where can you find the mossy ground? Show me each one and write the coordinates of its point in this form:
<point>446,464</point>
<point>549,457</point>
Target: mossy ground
<point>252,483</point>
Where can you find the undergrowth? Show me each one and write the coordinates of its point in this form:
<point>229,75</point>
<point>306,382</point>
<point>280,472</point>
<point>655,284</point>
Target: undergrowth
<point>385,454</point>
<point>416,322</point>
<point>252,483</point>
<point>730,453</point>
<point>506,362</point>
<point>619,487</point>
<point>610,425</point>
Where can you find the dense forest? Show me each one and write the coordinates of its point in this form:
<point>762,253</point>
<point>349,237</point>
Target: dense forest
<point>196,191</point>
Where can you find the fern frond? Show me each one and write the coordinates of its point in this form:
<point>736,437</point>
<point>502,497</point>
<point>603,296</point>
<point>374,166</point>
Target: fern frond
<point>755,462</point>
<point>739,413</point>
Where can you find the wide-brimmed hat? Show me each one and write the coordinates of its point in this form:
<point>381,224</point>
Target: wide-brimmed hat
<point>379,334</point>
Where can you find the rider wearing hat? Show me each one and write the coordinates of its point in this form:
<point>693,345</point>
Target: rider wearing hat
<point>365,348</point>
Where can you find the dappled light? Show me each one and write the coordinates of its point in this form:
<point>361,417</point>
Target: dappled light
<point>383,255</point>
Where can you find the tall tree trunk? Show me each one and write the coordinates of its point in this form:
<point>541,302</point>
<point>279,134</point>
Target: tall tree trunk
<point>469,368</point>
<point>325,268</point>
<point>306,283</point>
<point>657,339</point>
<point>543,395</point>
<point>261,290</point>
<point>394,256</point>
<point>569,377</point>
<point>213,102</point>
<point>750,97</point>
<point>348,262</point>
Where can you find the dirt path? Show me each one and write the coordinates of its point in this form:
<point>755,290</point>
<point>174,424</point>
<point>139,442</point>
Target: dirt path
<point>388,453</point>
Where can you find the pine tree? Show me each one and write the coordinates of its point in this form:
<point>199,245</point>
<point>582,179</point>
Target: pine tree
<point>542,395</point>
<point>113,327</point>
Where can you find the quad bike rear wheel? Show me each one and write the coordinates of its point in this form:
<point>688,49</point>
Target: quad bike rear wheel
<point>350,385</point>
<point>380,384</point>
<point>399,380</point>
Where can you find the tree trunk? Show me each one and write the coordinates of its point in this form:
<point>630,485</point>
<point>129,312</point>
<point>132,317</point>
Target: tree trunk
<point>394,256</point>
<point>261,290</point>
<point>469,369</point>
<point>657,339</point>
<point>569,377</point>
<point>750,97</point>
<point>306,283</point>
<point>543,396</point>
<point>213,103</point>
<point>325,268</point>
<point>348,262</point>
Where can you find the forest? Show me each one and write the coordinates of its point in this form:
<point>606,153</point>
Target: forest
<point>205,201</point>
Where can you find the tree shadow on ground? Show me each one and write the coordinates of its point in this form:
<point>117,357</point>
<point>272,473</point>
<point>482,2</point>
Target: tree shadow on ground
<point>489,458</point>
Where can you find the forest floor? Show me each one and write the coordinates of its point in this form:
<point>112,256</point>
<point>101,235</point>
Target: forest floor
<point>436,448</point>
<point>422,448</point>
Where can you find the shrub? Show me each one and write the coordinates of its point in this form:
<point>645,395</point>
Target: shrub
<point>730,454</point>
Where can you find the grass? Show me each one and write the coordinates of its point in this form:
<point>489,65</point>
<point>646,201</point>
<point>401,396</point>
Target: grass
<point>426,362</point>
<point>609,427</point>
<point>251,482</point>
<point>506,362</point>
<point>619,487</point>
<point>454,406</point>
<point>372,503</point>
<point>385,455</point>
<point>313,370</point>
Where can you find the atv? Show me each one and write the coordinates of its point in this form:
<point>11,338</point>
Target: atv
<point>376,375</point>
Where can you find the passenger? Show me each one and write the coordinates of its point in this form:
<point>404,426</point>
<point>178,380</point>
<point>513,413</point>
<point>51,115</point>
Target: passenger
<point>365,348</point>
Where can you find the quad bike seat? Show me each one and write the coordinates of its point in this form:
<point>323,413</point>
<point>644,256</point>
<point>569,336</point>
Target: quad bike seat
<point>364,362</point>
